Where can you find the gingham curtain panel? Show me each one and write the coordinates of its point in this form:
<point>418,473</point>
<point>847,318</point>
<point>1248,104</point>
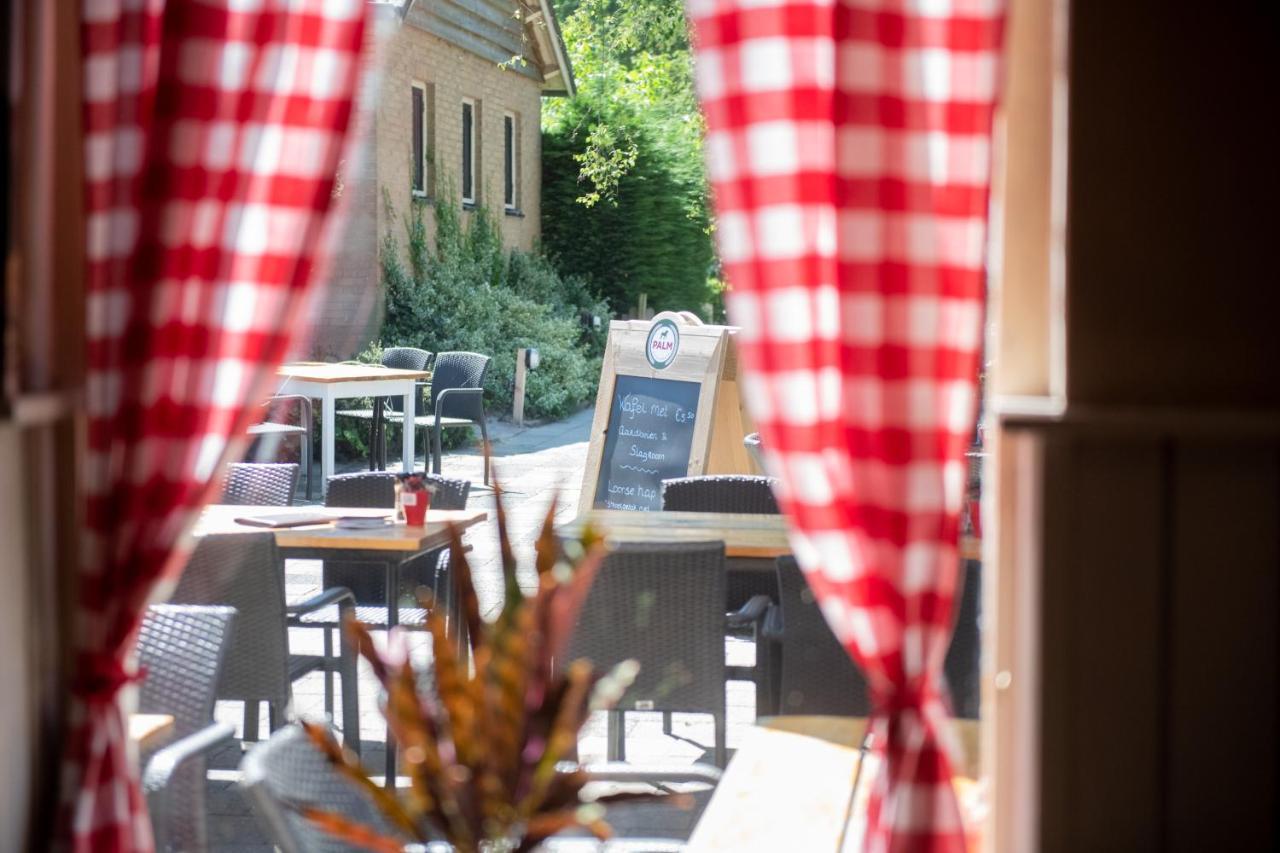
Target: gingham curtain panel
<point>848,143</point>
<point>213,131</point>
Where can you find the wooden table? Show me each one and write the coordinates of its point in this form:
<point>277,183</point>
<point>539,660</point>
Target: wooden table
<point>788,787</point>
<point>332,382</point>
<point>743,534</point>
<point>149,731</point>
<point>389,547</point>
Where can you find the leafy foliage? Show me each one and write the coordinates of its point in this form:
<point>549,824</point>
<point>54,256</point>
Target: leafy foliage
<point>468,293</point>
<point>625,197</point>
<point>482,749</point>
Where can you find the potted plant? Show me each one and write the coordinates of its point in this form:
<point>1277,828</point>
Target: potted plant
<point>484,749</point>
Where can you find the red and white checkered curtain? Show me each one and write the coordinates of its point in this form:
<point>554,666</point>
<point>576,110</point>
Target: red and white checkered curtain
<point>848,143</point>
<point>213,132</point>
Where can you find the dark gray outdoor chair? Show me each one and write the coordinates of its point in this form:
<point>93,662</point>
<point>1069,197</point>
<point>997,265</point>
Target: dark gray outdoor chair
<point>817,676</point>
<point>260,483</point>
<point>720,493</point>
<point>377,490</point>
<point>244,570</point>
<point>400,358</point>
<point>287,772</point>
<point>301,430</point>
<point>181,650</point>
<point>457,399</point>
<point>662,605</point>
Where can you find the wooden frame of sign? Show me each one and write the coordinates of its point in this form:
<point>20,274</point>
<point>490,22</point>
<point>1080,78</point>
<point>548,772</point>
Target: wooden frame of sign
<point>667,406</point>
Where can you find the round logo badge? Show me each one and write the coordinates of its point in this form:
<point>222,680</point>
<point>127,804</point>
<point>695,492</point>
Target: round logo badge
<point>662,344</point>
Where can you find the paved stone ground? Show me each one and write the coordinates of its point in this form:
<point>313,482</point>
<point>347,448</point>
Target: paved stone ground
<point>533,464</point>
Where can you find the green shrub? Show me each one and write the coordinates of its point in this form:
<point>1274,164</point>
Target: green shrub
<point>468,293</point>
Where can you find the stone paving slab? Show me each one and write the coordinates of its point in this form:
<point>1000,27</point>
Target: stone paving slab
<point>533,464</point>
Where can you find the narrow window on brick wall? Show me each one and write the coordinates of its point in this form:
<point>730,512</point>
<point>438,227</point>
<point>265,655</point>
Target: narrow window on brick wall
<point>469,133</point>
<point>419,153</point>
<point>510,162</point>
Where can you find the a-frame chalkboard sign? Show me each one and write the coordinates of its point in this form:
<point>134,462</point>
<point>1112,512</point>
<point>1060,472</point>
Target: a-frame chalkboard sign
<point>668,406</point>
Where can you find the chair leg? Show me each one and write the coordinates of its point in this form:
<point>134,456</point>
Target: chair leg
<point>721,752</point>
<point>484,443</point>
<point>350,694</point>
<point>251,708</point>
<point>306,460</point>
<point>328,673</point>
<point>436,451</point>
<point>616,735</point>
<point>275,715</point>
<point>666,724</point>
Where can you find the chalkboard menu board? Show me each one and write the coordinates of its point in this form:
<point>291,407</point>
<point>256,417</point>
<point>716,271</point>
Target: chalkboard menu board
<point>649,437</point>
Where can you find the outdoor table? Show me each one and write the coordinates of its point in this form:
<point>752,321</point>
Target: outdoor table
<point>788,787</point>
<point>389,547</point>
<point>332,382</point>
<point>150,730</point>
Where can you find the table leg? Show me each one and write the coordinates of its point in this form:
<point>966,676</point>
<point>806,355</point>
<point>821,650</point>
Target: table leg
<point>326,425</point>
<point>409,430</point>
<point>392,576</point>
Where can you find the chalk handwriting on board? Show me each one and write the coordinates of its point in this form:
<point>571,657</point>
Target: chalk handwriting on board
<point>649,438</point>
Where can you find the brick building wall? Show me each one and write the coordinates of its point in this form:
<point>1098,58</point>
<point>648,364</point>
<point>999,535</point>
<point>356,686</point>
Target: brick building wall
<point>350,312</point>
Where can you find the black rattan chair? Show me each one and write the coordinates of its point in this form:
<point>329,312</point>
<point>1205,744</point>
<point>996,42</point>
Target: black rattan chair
<point>260,483</point>
<point>377,490</point>
<point>272,429</point>
<point>457,399</point>
<point>182,651</point>
<point>244,570</point>
<point>720,493</point>
<point>287,772</point>
<point>662,605</point>
<point>817,675</point>
<point>400,358</point>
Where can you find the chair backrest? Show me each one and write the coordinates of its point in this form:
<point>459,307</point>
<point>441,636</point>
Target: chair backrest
<point>818,677</point>
<point>183,650</point>
<point>664,606</point>
<point>405,358</point>
<point>449,493</point>
<point>286,772</point>
<point>458,370</point>
<point>260,483</point>
<point>720,493</point>
<point>374,489</point>
<point>243,570</point>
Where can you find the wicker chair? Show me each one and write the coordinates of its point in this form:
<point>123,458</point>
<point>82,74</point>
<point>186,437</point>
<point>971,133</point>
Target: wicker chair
<point>244,570</point>
<point>260,483</point>
<point>182,650</point>
<point>457,399</point>
<point>721,493</point>
<point>377,490</point>
<point>400,358</point>
<point>962,665</point>
<point>286,772</point>
<point>817,675</point>
<point>662,605</point>
<point>270,429</point>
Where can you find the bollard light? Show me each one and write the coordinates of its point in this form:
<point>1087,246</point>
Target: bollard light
<point>532,358</point>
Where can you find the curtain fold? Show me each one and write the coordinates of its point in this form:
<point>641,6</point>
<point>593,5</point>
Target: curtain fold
<point>848,146</point>
<point>212,135</point>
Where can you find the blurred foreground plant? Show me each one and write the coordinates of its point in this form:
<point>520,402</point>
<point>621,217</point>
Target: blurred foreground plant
<point>481,749</point>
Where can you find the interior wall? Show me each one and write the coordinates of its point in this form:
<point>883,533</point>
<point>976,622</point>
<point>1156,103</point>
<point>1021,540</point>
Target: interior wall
<point>1136,522</point>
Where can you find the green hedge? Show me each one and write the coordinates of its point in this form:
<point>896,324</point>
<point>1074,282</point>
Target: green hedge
<point>651,236</point>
